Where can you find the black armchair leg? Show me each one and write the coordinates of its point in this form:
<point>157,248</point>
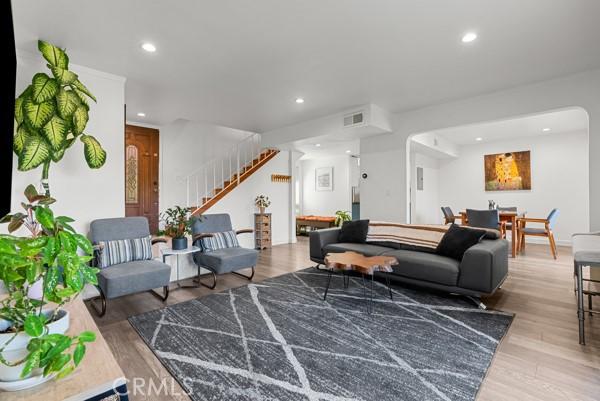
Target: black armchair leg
<point>200,283</point>
<point>244,276</point>
<point>165,293</point>
<point>101,312</point>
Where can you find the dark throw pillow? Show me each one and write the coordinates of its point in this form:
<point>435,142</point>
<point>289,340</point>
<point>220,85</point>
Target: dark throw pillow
<point>354,231</point>
<point>457,240</point>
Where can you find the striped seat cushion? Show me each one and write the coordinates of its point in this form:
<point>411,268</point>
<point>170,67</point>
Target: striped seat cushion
<point>226,239</point>
<point>124,250</point>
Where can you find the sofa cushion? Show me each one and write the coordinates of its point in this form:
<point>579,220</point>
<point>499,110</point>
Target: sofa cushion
<point>227,260</point>
<point>364,249</point>
<point>132,277</point>
<point>221,240</point>
<point>425,266</point>
<point>354,231</point>
<point>120,251</point>
<point>457,240</point>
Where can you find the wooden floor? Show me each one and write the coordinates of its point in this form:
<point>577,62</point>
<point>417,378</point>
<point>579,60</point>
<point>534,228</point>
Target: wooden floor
<point>539,359</point>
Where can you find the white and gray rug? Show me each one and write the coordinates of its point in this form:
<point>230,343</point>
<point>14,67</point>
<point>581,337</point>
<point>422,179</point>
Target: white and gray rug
<point>278,340</point>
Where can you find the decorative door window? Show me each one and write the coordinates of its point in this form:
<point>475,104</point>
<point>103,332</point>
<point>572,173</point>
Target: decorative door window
<point>131,174</point>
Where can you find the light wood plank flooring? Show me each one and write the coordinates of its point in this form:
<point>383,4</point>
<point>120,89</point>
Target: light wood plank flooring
<point>539,359</point>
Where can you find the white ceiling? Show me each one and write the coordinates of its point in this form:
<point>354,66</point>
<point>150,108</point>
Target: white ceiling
<point>242,63</point>
<point>329,147</point>
<point>559,122</point>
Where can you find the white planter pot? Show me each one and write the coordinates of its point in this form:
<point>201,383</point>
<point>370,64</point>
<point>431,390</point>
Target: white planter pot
<point>10,376</point>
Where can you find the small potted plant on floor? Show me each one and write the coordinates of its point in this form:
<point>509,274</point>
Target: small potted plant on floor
<point>33,343</point>
<point>262,202</point>
<point>341,216</point>
<point>178,224</point>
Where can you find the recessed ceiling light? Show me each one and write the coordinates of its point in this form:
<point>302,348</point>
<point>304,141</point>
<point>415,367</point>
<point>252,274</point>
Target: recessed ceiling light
<point>318,145</point>
<point>348,151</point>
<point>479,139</point>
<point>141,114</point>
<point>469,37</point>
<point>299,100</point>
<point>546,129</point>
<point>149,47</point>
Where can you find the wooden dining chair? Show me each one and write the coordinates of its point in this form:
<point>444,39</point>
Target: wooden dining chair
<point>546,231</point>
<point>508,209</point>
<point>449,216</point>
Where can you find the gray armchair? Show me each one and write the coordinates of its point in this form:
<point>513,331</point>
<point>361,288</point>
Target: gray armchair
<point>131,277</point>
<point>221,261</point>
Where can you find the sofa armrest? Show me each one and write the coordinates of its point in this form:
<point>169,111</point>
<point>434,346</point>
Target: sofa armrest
<point>319,239</point>
<point>484,266</point>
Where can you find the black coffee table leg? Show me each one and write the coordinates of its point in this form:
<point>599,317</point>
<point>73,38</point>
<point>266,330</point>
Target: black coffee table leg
<point>328,282</point>
<point>387,280</point>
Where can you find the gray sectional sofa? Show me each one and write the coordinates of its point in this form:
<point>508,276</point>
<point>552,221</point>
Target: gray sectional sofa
<point>481,271</point>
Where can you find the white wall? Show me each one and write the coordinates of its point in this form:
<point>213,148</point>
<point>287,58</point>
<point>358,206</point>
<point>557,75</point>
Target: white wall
<point>326,203</point>
<point>184,147</point>
<point>239,203</point>
<point>559,179</point>
<point>81,192</point>
<point>425,203</point>
<point>385,157</point>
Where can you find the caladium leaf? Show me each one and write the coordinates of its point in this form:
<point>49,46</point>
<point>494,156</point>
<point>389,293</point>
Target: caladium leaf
<point>55,132</point>
<point>57,155</point>
<point>67,102</point>
<point>36,151</point>
<point>80,119</point>
<point>77,84</point>
<point>43,88</point>
<point>37,115</point>
<point>19,115</point>
<point>55,56</point>
<point>95,156</point>
<point>62,75</point>
<point>20,138</point>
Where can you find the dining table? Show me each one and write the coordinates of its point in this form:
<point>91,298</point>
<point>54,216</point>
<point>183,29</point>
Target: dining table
<point>508,217</point>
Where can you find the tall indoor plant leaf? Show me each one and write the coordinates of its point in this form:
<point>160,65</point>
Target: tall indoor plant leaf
<point>50,114</point>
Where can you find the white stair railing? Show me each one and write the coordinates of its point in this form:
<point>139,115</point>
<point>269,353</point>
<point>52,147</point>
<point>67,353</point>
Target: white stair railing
<point>212,176</point>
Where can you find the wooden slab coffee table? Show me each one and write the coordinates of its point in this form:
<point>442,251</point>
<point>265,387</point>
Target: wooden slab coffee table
<point>361,264</point>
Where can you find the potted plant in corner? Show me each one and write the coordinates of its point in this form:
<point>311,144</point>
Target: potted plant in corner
<point>262,202</point>
<point>178,224</point>
<point>341,216</point>
<point>33,343</point>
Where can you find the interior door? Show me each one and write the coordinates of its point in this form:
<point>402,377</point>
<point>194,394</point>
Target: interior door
<point>141,173</point>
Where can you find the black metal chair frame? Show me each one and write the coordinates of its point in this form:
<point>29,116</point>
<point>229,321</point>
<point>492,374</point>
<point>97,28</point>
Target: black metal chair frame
<point>104,301</point>
<point>198,237</point>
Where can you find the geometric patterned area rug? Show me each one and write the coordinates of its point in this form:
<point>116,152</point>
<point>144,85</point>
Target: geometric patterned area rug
<point>278,340</point>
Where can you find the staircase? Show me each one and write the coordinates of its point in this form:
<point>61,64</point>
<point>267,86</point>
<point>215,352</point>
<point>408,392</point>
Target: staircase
<point>208,184</point>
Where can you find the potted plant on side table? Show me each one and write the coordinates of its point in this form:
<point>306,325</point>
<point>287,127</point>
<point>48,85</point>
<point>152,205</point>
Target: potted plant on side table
<point>33,343</point>
<point>341,216</point>
<point>262,202</point>
<point>178,224</point>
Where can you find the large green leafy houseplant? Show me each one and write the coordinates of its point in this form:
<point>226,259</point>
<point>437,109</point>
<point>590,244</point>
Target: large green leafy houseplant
<point>51,114</point>
<point>55,254</point>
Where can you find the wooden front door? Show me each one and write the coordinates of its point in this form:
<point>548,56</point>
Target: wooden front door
<point>141,174</point>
